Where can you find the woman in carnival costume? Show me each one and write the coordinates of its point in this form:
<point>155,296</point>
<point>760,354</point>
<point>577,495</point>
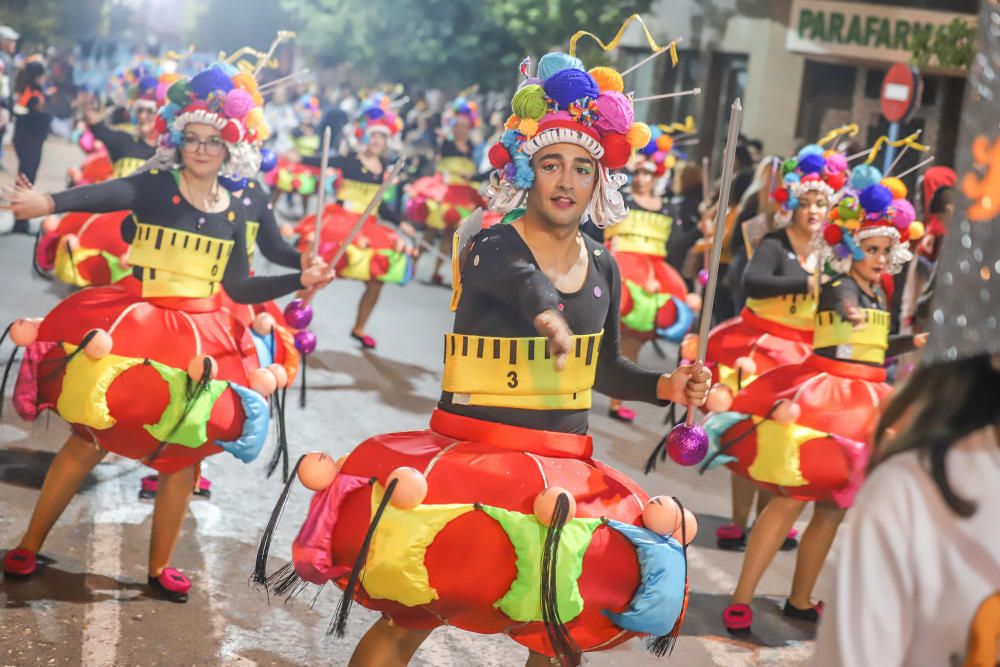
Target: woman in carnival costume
<point>441,201</point>
<point>82,248</point>
<point>801,431</point>
<point>154,369</point>
<point>570,554</point>
<point>775,326</point>
<point>378,255</point>
<point>32,125</point>
<point>294,175</point>
<point>655,300</point>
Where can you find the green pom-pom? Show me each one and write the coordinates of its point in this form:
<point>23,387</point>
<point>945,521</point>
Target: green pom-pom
<point>788,166</point>
<point>529,102</point>
<point>180,92</point>
<point>848,208</point>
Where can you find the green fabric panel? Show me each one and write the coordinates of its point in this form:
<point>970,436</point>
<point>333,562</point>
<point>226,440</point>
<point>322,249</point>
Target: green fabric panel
<point>512,216</point>
<point>115,268</point>
<point>397,267</point>
<point>523,602</point>
<point>192,432</point>
<point>642,317</point>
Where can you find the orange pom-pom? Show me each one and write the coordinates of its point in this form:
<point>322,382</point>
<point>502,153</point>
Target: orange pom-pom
<point>528,127</point>
<point>916,230</point>
<point>747,365</point>
<point>263,324</point>
<point>690,528</point>
<point>545,504</point>
<point>689,347</point>
<point>24,332</point>
<point>720,399</point>
<point>665,143</point>
<point>896,187</point>
<point>512,122</point>
<point>607,79</point>
<point>280,375</point>
<point>50,223</point>
<point>694,301</point>
<point>411,488</point>
<point>287,230</point>
<point>72,242</point>
<point>99,345</point>
<point>661,515</point>
<point>785,412</point>
<point>196,368</point>
<point>317,471</point>
<point>263,381</point>
<point>638,135</point>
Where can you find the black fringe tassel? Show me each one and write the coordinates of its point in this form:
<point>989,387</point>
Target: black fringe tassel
<point>193,394</point>
<point>338,626</point>
<point>259,576</point>
<point>565,649</point>
<point>659,452</point>
<point>6,374</point>
<point>664,645</point>
<point>281,450</point>
<point>302,385</point>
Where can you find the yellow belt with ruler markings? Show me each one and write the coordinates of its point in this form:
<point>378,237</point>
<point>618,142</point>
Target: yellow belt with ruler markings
<point>866,343</point>
<point>178,263</point>
<point>519,372</point>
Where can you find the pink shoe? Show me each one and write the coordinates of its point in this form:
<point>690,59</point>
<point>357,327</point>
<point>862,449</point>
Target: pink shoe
<point>171,585</point>
<point>20,563</point>
<point>790,543</point>
<point>622,414</point>
<point>366,341</point>
<point>737,618</point>
<point>730,538</point>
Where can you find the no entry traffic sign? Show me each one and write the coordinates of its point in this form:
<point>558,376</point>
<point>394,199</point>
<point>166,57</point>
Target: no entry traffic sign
<point>900,92</point>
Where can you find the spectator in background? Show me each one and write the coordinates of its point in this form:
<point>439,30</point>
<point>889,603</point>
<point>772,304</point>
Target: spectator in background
<point>687,201</point>
<point>32,125</point>
<point>8,47</point>
<point>755,203</point>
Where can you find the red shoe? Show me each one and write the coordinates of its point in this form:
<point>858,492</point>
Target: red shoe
<point>730,538</point>
<point>171,585</point>
<point>20,563</point>
<point>737,618</point>
<point>437,279</point>
<point>366,341</point>
<point>622,414</point>
<point>812,614</point>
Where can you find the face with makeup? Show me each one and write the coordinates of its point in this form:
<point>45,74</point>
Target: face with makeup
<point>811,211</point>
<point>202,150</point>
<point>565,178</point>
<point>875,262</point>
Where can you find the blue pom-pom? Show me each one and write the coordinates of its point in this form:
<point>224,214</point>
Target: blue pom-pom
<point>147,83</point>
<point>875,198</point>
<point>792,203</point>
<point>209,80</point>
<point>811,149</point>
<point>865,175</point>
<point>792,177</point>
<point>232,184</point>
<point>268,160</point>
<point>228,68</point>
<point>556,62</point>
<point>852,247</point>
<point>569,85</point>
<point>374,113</point>
<point>812,164</point>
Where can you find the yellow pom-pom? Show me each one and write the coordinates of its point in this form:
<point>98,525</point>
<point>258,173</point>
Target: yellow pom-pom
<point>896,187</point>
<point>916,230</point>
<point>512,122</point>
<point>638,135</point>
<point>665,143</point>
<point>852,225</point>
<point>608,79</point>
<point>670,162</point>
<point>528,127</point>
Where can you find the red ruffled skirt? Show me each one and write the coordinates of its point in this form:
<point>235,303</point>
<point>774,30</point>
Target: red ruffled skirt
<point>85,249</point>
<point>135,398</point>
<point>823,453</point>
<point>469,554</point>
<point>767,343</point>
<point>434,203</point>
<point>653,297</point>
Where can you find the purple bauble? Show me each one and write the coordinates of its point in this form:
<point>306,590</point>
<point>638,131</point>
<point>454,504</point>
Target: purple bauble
<point>305,342</point>
<point>703,277</point>
<point>298,314</point>
<point>687,445</point>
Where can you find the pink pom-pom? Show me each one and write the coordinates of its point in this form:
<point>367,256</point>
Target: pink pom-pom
<point>317,471</point>
<point>836,162</point>
<point>904,214</point>
<point>196,368</point>
<point>263,381</point>
<point>24,332</point>
<point>747,366</point>
<point>87,142</point>
<point>263,324</point>
<point>50,223</point>
<point>99,345</point>
<point>785,412</point>
<point>411,488</point>
<point>545,504</point>
<point>72,242</point>
<point>703,277</point>
<point>161,92</point>
<point>661,515</point>
<point>280,375</point>
<point>720,399</point>
<point>689,529</point>
<point>238,103</point>
<point>615,113</point>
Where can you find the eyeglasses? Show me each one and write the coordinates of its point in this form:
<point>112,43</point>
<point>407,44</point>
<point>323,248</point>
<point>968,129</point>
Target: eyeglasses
<point>213,146</point>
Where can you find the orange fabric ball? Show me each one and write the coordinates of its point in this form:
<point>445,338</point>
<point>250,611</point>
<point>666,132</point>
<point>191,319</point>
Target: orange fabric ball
<point>607,79</point>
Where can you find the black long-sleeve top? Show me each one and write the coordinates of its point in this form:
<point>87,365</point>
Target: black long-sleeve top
<point>502,293</point>
<point>352,169</point>
<point>155,198</point>
<point>775,269</point>
<point>842,293</point>
<point>261,210</point>
<point>121,145</point>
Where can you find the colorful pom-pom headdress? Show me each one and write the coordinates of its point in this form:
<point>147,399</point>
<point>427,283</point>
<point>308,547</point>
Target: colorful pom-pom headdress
<point>659,151</point>
<point>461,107</point>
<point>565,103</point>
<point>375,115</point>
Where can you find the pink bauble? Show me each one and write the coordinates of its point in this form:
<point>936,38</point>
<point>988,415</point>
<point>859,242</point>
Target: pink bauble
<point>196,368</point>
<point>50,223</point>
<point>703,277</point>
<point>687,445</point>
<point>99,346</point>
<point>690,528</point>
<point>411,488</point>
<point>661,515</point>
<point>720,399</point>
<point>263,324</point>
<point>785,412</point>
<point>280,375</point>
<point>747,366</point>
<point>24,332</point>
<point>305,341</point>
<point>545,504</point>
<point>298,314</point>
<point>317,471</point>
<point>72,242</point>
<point>689,347</point>
<point>263,381</point>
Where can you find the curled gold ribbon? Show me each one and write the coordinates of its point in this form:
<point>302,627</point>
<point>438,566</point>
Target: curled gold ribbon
<point>621,31</point>
<point>910,141</point>
<point>687,127</point>
<point>850,130</point>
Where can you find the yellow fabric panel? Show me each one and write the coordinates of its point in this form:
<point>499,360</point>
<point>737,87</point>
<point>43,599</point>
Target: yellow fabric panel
<point>359,263</point>
<point>778,446</point>
<point>641,231</point>
<point>866,343</point>
<point>65,267</point>
<point>395,567</point>
<point>126,166</point>
<point>792,310</point>
<point>253,228</point>
<point>457,170</point>
<point>729,376</point>
<point>356,195</point>
<point>518,372</point>
<point>456,272</point>
<point>162,252</point>
<point>84,396</point>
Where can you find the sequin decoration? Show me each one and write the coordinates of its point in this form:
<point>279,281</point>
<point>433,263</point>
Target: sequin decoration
<point>175,200</point>
<point>597,291</point>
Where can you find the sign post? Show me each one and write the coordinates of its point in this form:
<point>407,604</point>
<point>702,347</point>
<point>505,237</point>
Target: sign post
<point>901,90</point>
